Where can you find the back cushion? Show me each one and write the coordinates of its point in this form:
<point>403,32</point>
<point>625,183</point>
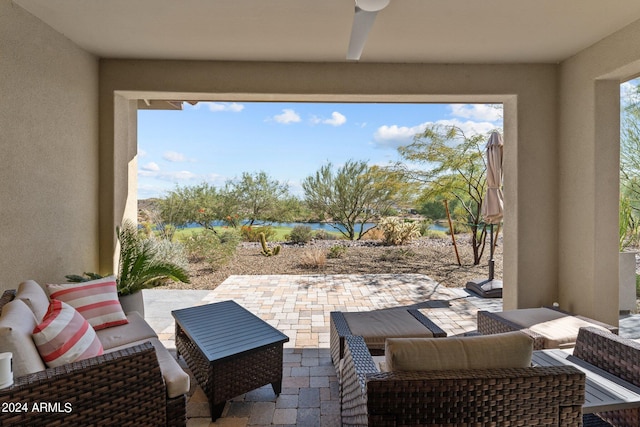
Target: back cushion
<point>35,297</point>
<point>508,350</point>
<point>96,300</point>
<point>16,324</point>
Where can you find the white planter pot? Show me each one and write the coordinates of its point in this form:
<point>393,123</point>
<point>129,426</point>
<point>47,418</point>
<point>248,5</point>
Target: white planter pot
<point>627,282</point>
<point>133,302</point>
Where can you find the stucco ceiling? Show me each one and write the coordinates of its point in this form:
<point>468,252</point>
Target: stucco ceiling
<point>432,31</point>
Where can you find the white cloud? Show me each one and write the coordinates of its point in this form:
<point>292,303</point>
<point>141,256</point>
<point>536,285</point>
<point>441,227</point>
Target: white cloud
<point>336,119</point>
<point>142,153</point>
<point>482,112</point>
<point>233,107</point>
<point>151,166</point>
<point>287,116</point>
<point>173,156</point>
<point>394,136</point>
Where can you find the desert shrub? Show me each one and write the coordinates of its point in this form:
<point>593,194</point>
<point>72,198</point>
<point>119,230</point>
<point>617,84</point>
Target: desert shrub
<point>252,233</point>
<point>397,254</point>
<point>214,249</point>
<point>337,251</point>
<point>315,258</point>
<point>174,252</point>
<point>374,234</point>
<point>396,232</point>
<point>324,235</point>
<point>425,227</point>
<point>301,234</point>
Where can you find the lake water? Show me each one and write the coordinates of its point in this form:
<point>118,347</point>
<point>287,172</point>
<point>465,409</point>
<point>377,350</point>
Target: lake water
<point>324,226</point>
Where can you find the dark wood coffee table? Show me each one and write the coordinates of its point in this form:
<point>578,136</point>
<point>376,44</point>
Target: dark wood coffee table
<point>229,350</point>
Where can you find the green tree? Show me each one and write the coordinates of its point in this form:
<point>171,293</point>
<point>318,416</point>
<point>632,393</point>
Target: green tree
<point>349,196</point>
<point>455,169</point>
<point>630,170</point>
<point>200,204</point>
<point>258,197</point>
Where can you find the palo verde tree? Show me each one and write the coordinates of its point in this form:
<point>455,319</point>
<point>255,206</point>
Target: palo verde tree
<point>455,168</point>
<point>349,196</point>
<point>258,197</point>
<point>630,170</point>
<point>200,204</point>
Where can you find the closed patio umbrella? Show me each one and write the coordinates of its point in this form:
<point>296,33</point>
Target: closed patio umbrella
<point>492,212</point>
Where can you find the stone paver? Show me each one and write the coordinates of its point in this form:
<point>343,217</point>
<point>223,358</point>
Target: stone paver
<point>299,306</point>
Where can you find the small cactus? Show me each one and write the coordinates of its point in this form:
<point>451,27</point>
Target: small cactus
<point>266,251</point>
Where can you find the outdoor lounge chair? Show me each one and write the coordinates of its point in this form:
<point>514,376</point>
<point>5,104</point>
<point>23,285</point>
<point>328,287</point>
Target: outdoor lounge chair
<point>509,396</point>
<point>549,327</point>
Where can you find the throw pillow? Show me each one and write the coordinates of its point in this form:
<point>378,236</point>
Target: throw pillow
<point>64,336</point>
<point>35,297</point>
<point>507,350</point>
<point>16,325</point>
<point>96,300</point>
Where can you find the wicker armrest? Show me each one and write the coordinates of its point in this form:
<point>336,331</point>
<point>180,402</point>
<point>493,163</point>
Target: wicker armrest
<point>492,323</point>
<point>522,396</point>
<point>123,388</point>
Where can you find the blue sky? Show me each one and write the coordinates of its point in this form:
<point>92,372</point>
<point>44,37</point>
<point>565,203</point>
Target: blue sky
<point>217,141</point>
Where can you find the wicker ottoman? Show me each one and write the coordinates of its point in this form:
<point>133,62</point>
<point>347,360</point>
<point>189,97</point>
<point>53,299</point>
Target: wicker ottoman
<point>376,326</point>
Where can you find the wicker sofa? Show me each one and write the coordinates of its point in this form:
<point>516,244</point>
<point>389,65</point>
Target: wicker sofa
<point>550,396</point>
<point>136,382</point>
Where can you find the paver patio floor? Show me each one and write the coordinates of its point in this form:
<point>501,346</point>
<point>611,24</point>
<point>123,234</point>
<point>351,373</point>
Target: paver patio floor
<point>299,306</point>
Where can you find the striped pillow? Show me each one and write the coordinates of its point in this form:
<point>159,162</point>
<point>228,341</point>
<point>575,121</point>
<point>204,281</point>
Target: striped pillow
<point>64,336</point>
<point>96,300</point>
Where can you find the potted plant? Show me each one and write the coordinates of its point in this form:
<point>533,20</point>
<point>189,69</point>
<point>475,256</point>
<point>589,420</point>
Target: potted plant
<point>140,267</point>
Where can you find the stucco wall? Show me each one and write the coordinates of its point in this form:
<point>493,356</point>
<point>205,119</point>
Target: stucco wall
<point>589,135</point>
<point>529,93</point>
<point>48,152</point>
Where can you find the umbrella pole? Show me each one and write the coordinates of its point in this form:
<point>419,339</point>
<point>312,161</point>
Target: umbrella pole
<point>491,260</point>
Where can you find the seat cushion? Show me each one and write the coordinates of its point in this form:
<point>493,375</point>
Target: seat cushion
<point>35,297</point>
<point>16,325</point>
<point>559,329</point>
<point>135,330</point>
<point>176,379</point>
<point>507,350</point>
<point>375,326</point>
<point>64,336</point>
<point>96,300</point>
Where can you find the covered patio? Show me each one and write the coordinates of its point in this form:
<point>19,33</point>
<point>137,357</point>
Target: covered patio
<point>299,306</point>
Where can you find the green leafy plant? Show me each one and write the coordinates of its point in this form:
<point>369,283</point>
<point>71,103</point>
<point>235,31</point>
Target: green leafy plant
<point>301,234</point>
<point>337,251</point>
<point>140,265</point>
<point>214,249</point>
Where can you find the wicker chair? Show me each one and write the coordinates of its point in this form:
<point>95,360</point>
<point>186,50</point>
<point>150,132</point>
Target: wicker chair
<point>551,396</point>
<point>122,388</point>
<point>619,357</point>
<point>494,323</point>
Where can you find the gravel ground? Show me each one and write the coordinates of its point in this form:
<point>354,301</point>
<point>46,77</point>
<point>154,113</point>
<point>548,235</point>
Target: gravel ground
<point>433,257</point>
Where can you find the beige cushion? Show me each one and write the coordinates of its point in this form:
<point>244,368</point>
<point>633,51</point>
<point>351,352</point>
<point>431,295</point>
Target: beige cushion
<point>176,379</point>
<point>376,326</point>
<point>35,297</point>
<point>136,330</point>
<point>16,325</point>
<point>508,350</point>
<point>559,329</point>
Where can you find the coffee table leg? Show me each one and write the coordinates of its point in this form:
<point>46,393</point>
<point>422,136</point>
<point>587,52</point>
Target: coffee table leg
<point>216,410</point>
<point>277,387</point>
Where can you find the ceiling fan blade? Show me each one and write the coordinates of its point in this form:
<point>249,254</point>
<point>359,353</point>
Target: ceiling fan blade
<point>362,23</point>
